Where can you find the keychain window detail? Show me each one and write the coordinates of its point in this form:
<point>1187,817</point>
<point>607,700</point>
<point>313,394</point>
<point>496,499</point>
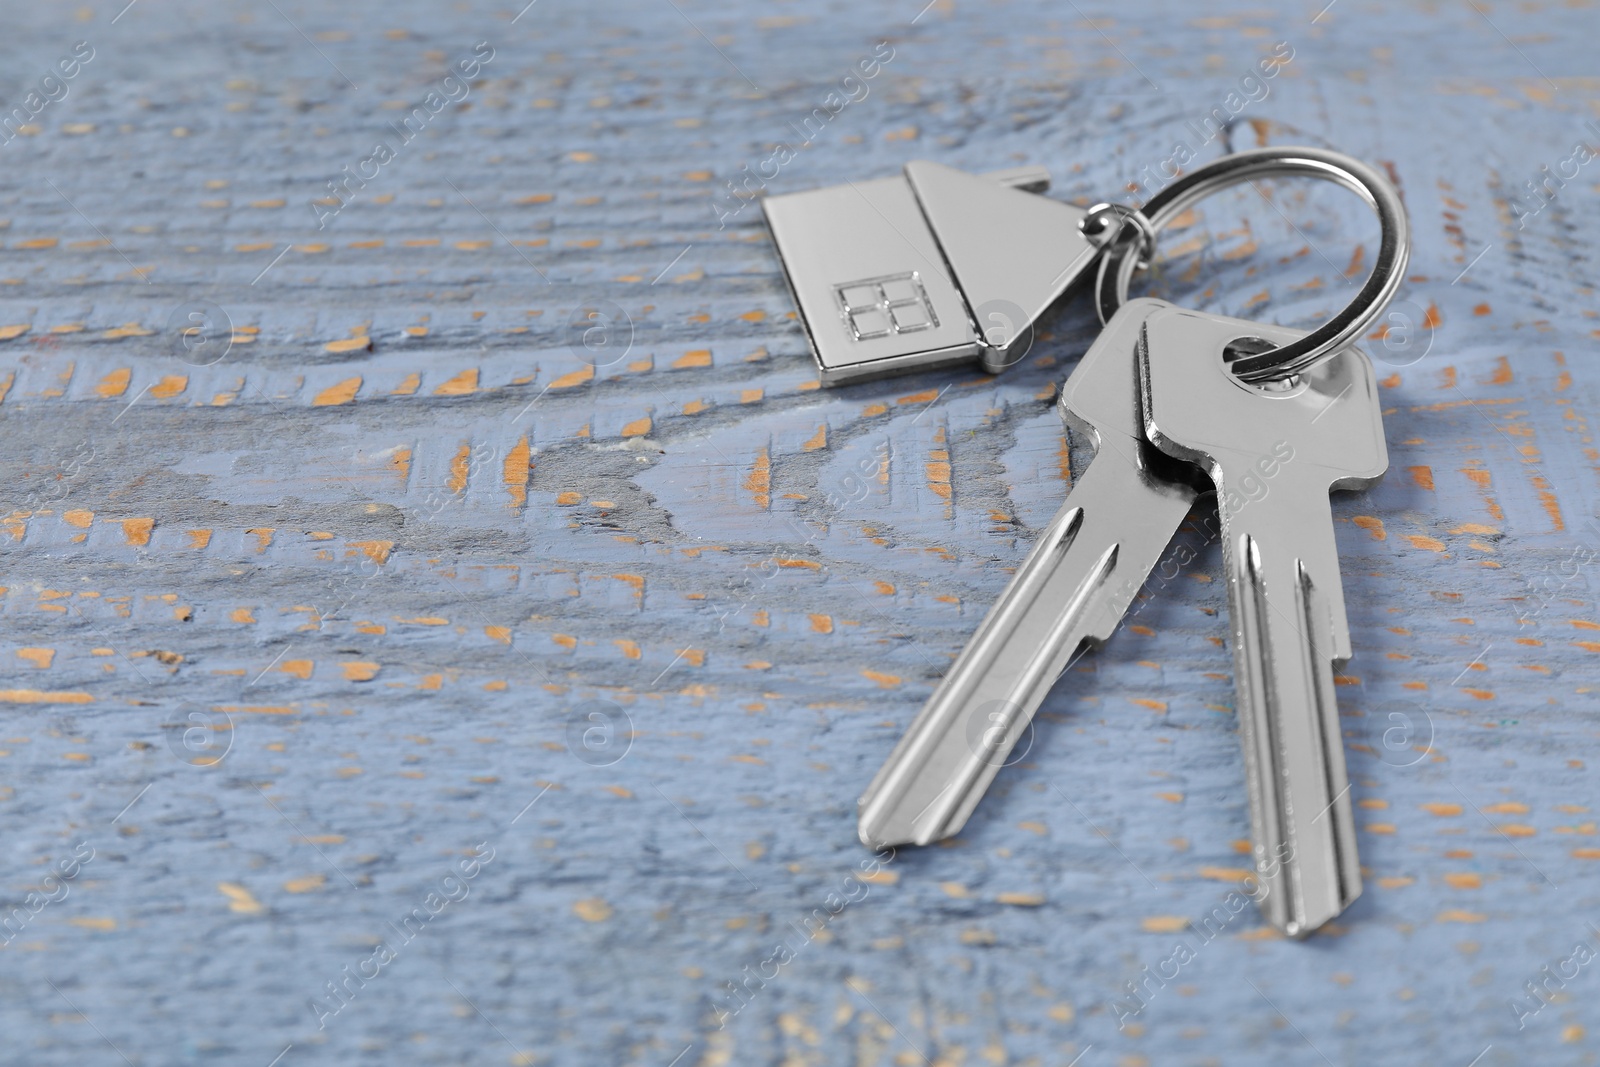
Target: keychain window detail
<point>882,307</point>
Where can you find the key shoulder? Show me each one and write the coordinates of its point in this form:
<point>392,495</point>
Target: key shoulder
<point>1330,422</point>
<point>1101,396</point>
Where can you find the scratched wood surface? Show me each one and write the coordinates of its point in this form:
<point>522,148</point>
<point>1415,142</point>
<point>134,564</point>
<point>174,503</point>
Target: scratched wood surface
<point>523,689</point>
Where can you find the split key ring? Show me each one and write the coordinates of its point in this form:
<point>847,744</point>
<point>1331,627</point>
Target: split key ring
<point>1124,255</point>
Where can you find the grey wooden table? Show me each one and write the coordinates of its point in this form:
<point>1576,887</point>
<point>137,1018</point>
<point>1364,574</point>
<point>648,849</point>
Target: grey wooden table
<point>391,676</point>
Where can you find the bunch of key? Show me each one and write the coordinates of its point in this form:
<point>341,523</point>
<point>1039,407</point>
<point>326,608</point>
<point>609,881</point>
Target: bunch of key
<point>1174,399</point>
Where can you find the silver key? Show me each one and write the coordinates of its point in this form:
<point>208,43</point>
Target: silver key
<point>1274,452</point>
<point>1072,589</point>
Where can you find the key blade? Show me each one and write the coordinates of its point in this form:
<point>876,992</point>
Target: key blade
<point>1071,590</point>
<point>1053,605</point>
<point>1302,822</point>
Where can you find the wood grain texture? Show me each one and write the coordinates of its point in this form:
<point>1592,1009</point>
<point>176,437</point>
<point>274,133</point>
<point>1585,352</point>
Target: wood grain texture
<point>286,636</point>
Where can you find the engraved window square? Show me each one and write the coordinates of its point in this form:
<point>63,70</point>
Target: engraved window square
<point>873,322</point>
<point>858,296</point>
<point>900,291</point>
<point>909,317</point>
<point>884,307</point>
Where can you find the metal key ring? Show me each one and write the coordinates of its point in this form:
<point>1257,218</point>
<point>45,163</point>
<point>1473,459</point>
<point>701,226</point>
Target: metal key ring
<point>1388,270</point>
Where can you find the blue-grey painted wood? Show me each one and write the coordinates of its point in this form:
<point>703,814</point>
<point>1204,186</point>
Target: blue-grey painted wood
<point>296,640</point>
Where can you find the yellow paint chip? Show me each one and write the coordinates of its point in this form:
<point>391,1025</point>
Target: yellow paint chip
<point>1456,915</point>
<point>339,393</point>
<point>1373,525</point>
<point>39,657</point>
<point>300,668</point>
<point>114,384</point>
<point>463,384</point>
<point>349,344</point>
<point>592,910</point>
<point>574,379</point>
<point>78,517</point>
<point>699,357</point>
<point>885,681</point>
<point>498,633</point>
<point>376,551</point>
<point>136,532</point>
<point>759,482</point>
<point>240,899</point>
<point>1431,544</point>
<point>359,670</point>
<point>1164,924</point>
<point>638,428</point>
<point>517,467</point>
<point>460,467</point>
<point>307,884</point>
<point>169,386</point>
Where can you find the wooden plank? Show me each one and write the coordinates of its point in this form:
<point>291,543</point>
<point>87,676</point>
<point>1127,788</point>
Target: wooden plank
<point>411,583</point>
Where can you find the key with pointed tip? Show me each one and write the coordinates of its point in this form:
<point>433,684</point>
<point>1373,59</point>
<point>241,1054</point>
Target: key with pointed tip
<point>1071,590</point>
<point>1274,452</point>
